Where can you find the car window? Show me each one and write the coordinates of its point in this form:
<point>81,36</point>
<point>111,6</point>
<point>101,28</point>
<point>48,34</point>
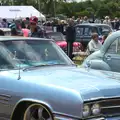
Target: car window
<point>118,47</point>
<point>114,47</point>
<point>79,31</point>
<point>87,31</point>
<point>30,53</point>
<point>104,29</point>
<point>93,30</point>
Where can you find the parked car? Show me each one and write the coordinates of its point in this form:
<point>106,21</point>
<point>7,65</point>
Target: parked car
<point>108,57</point>
<point>60,40</point>
<point>39,82</point>
<point>83,32</point>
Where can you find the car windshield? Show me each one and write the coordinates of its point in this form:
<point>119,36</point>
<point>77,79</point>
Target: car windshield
<point>104,29</point>
<point>16,54</point>
<point>56,36</point>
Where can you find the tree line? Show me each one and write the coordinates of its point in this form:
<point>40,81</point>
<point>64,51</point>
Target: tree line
<point>98,8</point>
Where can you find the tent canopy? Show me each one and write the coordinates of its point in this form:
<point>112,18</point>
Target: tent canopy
<point>13,12</point>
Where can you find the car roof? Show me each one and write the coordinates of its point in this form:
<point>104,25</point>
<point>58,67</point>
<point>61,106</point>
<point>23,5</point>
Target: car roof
<point>6,38</point>
<point>54,32</point>
<point>92,24</point>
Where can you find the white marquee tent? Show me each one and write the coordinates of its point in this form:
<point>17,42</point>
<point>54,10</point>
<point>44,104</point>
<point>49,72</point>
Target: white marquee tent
<point>14,12</point>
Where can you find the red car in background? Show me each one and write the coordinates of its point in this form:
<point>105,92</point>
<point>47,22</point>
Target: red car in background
<point>60,41</point>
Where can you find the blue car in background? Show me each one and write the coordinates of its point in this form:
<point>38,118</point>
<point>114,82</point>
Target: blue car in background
<point>108,57</point>
<point>39,82</point>
<point>84,31</point>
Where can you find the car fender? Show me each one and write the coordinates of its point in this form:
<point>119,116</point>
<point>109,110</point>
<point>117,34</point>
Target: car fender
<point>51,101</point>
<point>100,65</point>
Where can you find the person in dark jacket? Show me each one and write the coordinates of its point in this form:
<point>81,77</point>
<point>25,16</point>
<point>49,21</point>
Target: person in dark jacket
<point>116,24</point>
<point>70,38</point>
<point>35,30</point>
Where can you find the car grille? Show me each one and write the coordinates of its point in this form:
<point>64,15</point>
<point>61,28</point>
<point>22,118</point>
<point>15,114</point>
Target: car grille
<point>110,107</point>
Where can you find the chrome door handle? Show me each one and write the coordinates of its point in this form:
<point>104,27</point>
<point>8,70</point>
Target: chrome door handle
<point>108,57</point>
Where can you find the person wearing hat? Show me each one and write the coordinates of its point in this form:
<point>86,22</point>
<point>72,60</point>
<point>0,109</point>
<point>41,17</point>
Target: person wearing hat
<point>35,30</point>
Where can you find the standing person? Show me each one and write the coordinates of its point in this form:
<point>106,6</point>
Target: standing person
<point>15,31</point>
<point>104,38</point>
<point>85,20</point>
<point>107,21</point>
<point>94,44</point>
<point>35,30</point>
<point>4,23</point>
<point>70,37</point>
<point>116,24</point>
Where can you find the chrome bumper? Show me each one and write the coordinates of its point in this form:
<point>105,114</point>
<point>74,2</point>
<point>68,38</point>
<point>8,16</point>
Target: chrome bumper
<point>110,118</point>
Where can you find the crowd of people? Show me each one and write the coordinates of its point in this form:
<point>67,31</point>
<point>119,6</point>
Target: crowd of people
<point>54,24</point>
<point>31,27</point>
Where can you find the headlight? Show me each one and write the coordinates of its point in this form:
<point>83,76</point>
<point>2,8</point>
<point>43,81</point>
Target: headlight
<point>96,109</point>
<point>86,111</point>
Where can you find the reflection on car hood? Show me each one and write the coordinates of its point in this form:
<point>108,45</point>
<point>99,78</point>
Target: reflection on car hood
<point>90,84</point>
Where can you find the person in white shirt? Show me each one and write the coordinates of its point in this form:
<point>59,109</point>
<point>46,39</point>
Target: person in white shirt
<point>94,44</point>
<point>107,21</point>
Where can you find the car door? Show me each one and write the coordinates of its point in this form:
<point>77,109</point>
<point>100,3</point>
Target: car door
<point>112,55</point>
<point>6,97</point>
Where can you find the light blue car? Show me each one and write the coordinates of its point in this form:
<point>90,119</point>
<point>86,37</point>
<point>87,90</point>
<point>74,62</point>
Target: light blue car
<point>39,82</point>
<point>108,57</point>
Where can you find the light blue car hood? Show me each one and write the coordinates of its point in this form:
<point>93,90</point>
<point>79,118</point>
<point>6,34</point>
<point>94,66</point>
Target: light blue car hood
<point>91,85</point>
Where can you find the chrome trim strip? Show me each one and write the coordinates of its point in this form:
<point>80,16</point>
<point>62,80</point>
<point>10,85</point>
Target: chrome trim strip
<point>101,100</point>
<point>4,99</point>
<point>5,95</point>
<point>110,107</point>
<point>67,115</point>
<point>61,118</point>
<point>102,118</point>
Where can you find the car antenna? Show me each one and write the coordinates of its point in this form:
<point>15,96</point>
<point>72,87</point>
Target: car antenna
<point>88,65</point>
<point>19,73</point>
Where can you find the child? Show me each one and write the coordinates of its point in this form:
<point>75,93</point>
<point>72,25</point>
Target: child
<point>104,38</point>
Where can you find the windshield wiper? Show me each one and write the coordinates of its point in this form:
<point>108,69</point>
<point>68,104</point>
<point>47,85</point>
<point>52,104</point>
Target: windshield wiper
<point>44,65</point>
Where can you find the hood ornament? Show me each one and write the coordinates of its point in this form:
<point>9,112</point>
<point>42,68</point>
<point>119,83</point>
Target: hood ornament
<point>88,65</point>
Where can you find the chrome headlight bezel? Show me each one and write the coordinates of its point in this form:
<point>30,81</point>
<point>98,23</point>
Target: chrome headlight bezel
<point>96,109</point>
<point>86,111</point>
<point>91,110</point>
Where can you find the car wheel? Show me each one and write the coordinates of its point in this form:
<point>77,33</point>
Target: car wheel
<point>37,112</point>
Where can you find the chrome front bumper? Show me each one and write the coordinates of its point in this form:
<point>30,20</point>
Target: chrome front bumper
<point>110,118</point>
<point>102,118</point>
